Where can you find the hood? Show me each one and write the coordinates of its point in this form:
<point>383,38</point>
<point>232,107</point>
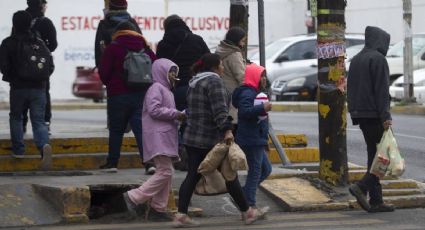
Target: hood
<point>160,69</point>
<point>377,39</point>
<point>176,32</point>
<point>131,42</point>
<point>35,12</point>
<point>252,75</point>
<point>200,76</point>
<point>224,49</point>
<point>115,17</point>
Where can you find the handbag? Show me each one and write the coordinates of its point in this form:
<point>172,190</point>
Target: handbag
<point>211,184</point>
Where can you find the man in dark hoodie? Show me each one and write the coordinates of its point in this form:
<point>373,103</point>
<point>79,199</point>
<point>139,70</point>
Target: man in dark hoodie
<point>114,15</point>
<point>369,105</point>
<point>184,48</point>
<point>24,93</point>
<point>44,27</point>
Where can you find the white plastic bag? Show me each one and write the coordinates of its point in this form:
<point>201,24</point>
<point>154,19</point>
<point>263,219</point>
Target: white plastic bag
<point>388,160</point>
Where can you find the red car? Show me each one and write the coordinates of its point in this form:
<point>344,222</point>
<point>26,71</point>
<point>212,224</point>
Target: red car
<point>87,84</point>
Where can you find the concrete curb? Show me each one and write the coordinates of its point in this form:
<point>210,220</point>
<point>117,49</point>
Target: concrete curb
<point>303,196</point>
<point>71,202</point>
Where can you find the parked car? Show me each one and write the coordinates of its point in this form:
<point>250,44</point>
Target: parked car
<point>397,88</point>
<point>292,54</point>
<point>296,86</point>
<point>87,84</point>
<point>395,56</point>
<point>301,85</point>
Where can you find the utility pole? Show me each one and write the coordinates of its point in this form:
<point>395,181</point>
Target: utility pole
<point>407,52</point>
<point>239,17</point>
<point>331,96</point>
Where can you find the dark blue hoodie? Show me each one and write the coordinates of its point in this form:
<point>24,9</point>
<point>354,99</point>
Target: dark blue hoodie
<point>251,131</point>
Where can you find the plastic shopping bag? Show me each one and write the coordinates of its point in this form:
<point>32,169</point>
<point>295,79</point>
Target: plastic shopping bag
<point>388,160</point>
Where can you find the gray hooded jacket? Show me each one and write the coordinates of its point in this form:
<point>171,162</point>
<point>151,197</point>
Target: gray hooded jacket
<point>368,78</point>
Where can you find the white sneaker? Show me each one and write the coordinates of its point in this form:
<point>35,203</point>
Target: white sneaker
<point>46,161</point>
<point>251,215</point>
<point>182,220</point>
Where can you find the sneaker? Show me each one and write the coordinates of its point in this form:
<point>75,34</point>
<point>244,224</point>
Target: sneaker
<point>150,170</point>
<point>251,215</point>
<point>131,206</point>
<point>156,216</point>
<point>381,208</point>
<point>355,190</point>
<point>46,157</point>
<point>18,156</point>
<point>182,220</point>
<point>109,167</point>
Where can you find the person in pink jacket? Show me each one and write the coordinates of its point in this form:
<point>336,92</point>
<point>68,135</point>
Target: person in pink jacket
<point>159,119</point>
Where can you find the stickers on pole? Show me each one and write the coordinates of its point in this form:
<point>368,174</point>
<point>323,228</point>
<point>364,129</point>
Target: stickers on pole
<point>239,2</point>
<point>313,8</point>
<point>330,50</point>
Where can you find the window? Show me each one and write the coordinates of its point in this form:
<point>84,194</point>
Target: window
<point>301,51</point>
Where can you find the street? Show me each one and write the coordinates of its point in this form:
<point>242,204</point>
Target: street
<point>407,219</point>
<point>408,130</point>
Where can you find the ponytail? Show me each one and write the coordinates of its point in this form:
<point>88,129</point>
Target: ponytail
<point>206,63</point>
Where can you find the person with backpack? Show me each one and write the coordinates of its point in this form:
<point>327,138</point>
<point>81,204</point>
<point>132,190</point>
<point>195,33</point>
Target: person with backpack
<point>115,14</point>
<point>184,48</point>
<point>159,118</point>
<point>125,97</point>
<point>45,29</point>
<point>26,63</point>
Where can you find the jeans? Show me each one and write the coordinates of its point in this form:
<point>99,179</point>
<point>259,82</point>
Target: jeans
<point>123,109</point>
<point>35,100</point>
<point>372,130</point>
<point>259,169</point>
<point>48,111</point>
<point>195,157</point>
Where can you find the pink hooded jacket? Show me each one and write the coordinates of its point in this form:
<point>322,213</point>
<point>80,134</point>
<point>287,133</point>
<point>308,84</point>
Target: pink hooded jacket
<point>159,115</point>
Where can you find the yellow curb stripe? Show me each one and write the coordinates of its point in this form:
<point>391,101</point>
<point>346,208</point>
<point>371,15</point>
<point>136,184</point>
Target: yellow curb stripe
<point>68,162</point>
<point>296,155</point>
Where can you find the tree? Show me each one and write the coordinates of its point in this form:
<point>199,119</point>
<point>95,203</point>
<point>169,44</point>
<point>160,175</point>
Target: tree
<point>331,93</point>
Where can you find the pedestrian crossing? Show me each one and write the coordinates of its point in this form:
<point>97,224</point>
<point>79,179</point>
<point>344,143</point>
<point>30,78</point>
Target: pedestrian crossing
<point>354,220</point>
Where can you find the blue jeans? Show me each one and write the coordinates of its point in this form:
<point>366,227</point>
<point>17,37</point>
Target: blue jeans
<point>35,100</point>
<point>123,109</point>
<point>259,169</point>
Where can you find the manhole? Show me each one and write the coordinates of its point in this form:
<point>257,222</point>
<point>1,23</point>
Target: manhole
<point>107,199</point>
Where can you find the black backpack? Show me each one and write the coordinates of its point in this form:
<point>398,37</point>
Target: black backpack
<point>34,61</point>
<point>137,69</point>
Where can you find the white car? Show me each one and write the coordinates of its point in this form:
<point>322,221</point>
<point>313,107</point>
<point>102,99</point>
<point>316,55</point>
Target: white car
<point>397,90</point>
<point>291,54</point>
<point>395,56</point>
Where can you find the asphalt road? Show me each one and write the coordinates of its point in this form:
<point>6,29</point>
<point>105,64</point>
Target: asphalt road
<point>408,219</point>
<point>408,129</point>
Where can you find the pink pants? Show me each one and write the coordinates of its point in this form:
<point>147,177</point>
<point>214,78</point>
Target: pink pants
<point>157,187</point>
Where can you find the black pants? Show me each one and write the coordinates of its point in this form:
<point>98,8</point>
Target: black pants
<point>372,130</point>
<point>195,157</point>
